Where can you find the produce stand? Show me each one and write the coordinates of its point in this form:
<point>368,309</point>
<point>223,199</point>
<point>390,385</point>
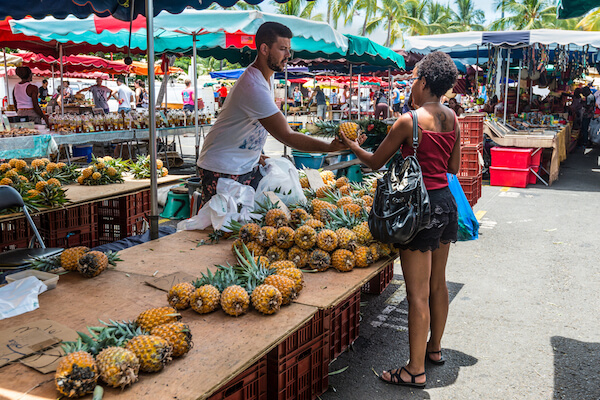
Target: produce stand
<point>297,341</point>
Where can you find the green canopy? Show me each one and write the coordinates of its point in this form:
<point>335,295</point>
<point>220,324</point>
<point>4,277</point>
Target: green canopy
<point>364,51</point>
<point>574,8</point>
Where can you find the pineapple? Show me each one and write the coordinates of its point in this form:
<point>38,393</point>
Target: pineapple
<point>262,261</point>
<point>179,295</point>
<point>205,299</point>
<point>53,181</point>
<point>343,181</point>
<point>320,209</point>
<point>344,200</point>
<point>6,167</point>
<point>76,373</point>
<point>277,265</point>
<point>363,256</point>
<point>157,316</point>
<point>267,299</point>
<point>346,238</point>
<point>118,367</point>
<point>298,216</point>
<point>249,232</point>
<point>92,264</point>
<point>385,250</point>
<point>304,182</point>
<point>276,218</point>
<point>154,352</point>
<point>350,130</point>
<point>87,172</point>
<point>327,176</point>
<point>177,334</point>
<point>51,167</point>
<point>285,237</point>
<point>13,162</point>
<point>275,253</point>
<point>266,236</point>
<point>342,260</point>
<point>367,200</point>
<point>375,252</point>
<point>305,237</point>
<point>235,300</point>
<point>40,185</point>
<point>285,285</point>
<point>69,258</point>
<point>255,248</point>
<point>96,176</point>
<point>296,275</point>
<point>8,182</point>
<point>314,223</point>
<point>237,244</point>
<point>319,260</point>
<point>327,240</point>
<point>363,234</point>
<point>323,192</point>
<point>20,165</point>
<point>298,256</point>
<point>345,190</point>
<point>111,171</point>
<point>352,209</point>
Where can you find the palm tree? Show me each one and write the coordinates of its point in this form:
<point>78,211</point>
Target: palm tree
<point>438,19</point>
<point>591,22</point>
<point>368,7</point>
<point>527,14</point>
<point>467,18</point>
<point>341,9</point>
<point>299,8</point>
<point>240,5</point>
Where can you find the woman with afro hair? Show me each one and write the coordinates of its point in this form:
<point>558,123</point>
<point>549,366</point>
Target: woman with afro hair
<point>424,258</point>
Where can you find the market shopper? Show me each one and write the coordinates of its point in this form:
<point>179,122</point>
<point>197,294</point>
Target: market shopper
<point>43,91</point>
<point>234,145</point>
<point>124,96</point>
<point>297,97</point>
<point>424,258</point>
<point>100,93</point>
<point>26,97</point>
<point>222,95</point>
<point>396,99</point>
<point>589,106</point>
<point>187,95</point>
<point>319,97</point>
<point>380,105</point>
<point>141,95</point>
<point>454,106</point>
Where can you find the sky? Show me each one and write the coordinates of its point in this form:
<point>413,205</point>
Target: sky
<point>378,36</point>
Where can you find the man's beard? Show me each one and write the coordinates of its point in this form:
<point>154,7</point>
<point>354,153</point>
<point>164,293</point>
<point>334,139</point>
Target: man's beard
<point>273,65</point>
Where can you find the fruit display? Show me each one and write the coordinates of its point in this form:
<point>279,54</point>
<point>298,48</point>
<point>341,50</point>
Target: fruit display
<point>116,352</point>
<point>15,132</point>
<point>88,263</point>
<point>141,168</point>
<point>100,172</point>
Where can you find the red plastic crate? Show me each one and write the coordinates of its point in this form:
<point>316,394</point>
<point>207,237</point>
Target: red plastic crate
<point>379,283</point>
<point>469,185</point>
<point>512,157</point>
<point>512,177</point>
<point>536,156</point>
<point>85,236</point>
<point>249,385</point>
<point>344,326</point>
<point>471,128</point>
<point>469,160</point>
<point>111,229</point>
<point>14,233</point>
<point>127,206</point>
<point>81,216</point>
<point>302,374</point>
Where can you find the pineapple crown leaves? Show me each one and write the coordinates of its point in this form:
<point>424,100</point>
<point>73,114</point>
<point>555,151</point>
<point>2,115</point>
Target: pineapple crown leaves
<point>113,257</point>
<point>45,263</point>
<point>216,236</point>
<point>249,271</point>
<point>74,346</point>
<point>266,205</point>
<point>233,227</point>
<point>206,279</point>
<point>226,276</point>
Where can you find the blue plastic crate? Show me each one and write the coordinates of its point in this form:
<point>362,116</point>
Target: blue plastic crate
<point>308,160</point>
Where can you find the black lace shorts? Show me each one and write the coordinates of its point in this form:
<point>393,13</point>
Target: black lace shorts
<point>443,227</point>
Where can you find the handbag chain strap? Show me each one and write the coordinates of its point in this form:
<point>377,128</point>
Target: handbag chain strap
<point>415,131</point>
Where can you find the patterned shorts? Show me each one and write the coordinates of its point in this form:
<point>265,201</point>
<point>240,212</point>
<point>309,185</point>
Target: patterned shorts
<point>443,227</point>
<point>209,180</point>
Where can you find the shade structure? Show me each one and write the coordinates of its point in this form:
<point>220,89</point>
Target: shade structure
<point>574,8</point>
<point>77,63</point>
<point>67,74</point>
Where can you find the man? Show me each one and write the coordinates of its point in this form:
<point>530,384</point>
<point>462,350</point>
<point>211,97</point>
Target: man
<point>589,106</point>
<point>233,147</point>
<point>100,93</point>
<point>334,96</point>
<point>188,96</point>
<point>124,96</point>
<point>319,96</point>
<point>43,91</point>
<point>222,95</point>
<point>396,99</point>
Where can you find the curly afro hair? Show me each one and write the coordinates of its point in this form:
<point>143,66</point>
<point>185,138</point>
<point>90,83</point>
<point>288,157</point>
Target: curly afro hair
<point>439,72</point>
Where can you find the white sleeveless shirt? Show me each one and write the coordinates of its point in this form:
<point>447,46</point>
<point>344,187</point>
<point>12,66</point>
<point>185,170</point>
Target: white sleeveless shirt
<point>21,97</point>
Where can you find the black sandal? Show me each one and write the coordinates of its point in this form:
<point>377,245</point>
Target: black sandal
<point>441,361</point>
<point>401,382</point>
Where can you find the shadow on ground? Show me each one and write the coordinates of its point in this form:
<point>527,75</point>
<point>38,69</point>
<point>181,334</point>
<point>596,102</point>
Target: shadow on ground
<point>576,369</point>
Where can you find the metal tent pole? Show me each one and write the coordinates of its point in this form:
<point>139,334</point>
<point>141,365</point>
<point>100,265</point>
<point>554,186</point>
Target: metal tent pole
<point>519,86</point>
<point>350,99</point>
<point>506,85</point>
<point>358,95</point>
<point>152,120</point>
<point>477,75</point>
<point>194,68</point>
<point>285,98</point>
<point>62,92</point>
<point>6,79</point>
<point>390,87</point>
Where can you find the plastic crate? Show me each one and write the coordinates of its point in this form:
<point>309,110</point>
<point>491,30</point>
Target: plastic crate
<point>249,385</point>
<point>111,229</point>
<point>302,374</point>
<point>85,236</point>
<point>14,233</point>
<point>512,157</point>
<point>512,177</point>
<point>470,186</point>
<point>127,206</point>
<point>379,283</point>
<point>81,216</point>
<point>308,160</point>
<point>471,128</point>
<point>469,160</point>
<point>479,185</point>
<point>344,325</point>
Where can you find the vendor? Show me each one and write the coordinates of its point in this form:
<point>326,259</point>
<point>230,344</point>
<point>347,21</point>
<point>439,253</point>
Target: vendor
<point>26,97</point>
<point>319,96</point>
<point>233,147</point>
<point>100,93</point>
<point>43,91</point>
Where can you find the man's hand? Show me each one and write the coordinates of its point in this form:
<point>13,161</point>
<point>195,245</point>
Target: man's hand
<point>262,159</point>
<point>337,145</point>
<point>353,144</point>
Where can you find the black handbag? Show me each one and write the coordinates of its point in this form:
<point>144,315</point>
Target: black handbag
<point>401,205</point>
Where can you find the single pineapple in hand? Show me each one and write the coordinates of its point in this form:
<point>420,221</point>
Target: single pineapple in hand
<point>350,130</point>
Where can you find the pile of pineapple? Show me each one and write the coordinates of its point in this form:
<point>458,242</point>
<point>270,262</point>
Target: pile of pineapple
<point>252,280</point>
<point>88,263</point>
<point>141,168</point>
<point>40,183</point>
<point>102,171</point>
<point>330,230</point>
<point>116,352</point>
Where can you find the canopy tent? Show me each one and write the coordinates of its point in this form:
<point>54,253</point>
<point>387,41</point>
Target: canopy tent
<point>67,74</point>
<point>77,63</point>
<point>574,8</point>
<point>141,68</point>
<point>296,72</point>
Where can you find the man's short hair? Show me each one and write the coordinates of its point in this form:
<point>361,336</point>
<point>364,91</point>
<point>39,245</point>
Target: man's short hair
<point>45,81</point>
<point>120,79</point>
<point>269,32</point>
<point>187,82</point>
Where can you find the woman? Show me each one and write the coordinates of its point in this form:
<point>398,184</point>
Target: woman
<point>424,258</point>
<point>297,97</point>
<point>26,97</point>
<point>380,105</point>
<point>141,96</point>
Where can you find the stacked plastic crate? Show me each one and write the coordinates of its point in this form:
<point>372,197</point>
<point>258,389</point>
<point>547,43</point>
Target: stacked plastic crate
<point>514,167</point>
<point>471,150</point>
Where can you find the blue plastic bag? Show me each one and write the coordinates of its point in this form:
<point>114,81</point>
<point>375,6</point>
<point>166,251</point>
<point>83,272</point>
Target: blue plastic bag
<point>468,226</point>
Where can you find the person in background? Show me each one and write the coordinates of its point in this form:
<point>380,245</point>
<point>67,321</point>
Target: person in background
<point>490,105</point>
<point>297,97</point>
<point>188,96</point>
<point>396,99</point>
<point>408,104</point>
<point>124,96</point>
<point>424,258</point>
<point>222,95</point>
<point>334,96</point>
<point>141,95</point>
<point>576,108</point>
<point>26,97</point>
<point>380,105</point>
<point>319,96</point>
<point>43,90</point>
<point>589,107</point>
<point>454,106</point>
<point>100,93</point>
<point>344,95</point>
<point>64,94</point>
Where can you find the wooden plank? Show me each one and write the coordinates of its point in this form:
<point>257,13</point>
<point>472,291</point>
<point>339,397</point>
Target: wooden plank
<point>342,165</point>
<point>223,346</point>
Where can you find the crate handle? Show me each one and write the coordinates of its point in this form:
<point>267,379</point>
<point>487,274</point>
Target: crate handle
<point>304,354</point>
<point>232,389</point>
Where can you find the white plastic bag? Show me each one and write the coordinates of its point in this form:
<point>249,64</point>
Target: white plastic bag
<point>20,296</point>
<point>280,176</point>
<point>230,197</point>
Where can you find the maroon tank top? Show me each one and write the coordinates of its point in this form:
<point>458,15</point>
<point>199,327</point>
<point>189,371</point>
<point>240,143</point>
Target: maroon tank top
<point>433,155</point>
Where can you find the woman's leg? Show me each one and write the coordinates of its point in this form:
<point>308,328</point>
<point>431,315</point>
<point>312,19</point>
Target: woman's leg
<point>416,268</point>
<point>438,299</point>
